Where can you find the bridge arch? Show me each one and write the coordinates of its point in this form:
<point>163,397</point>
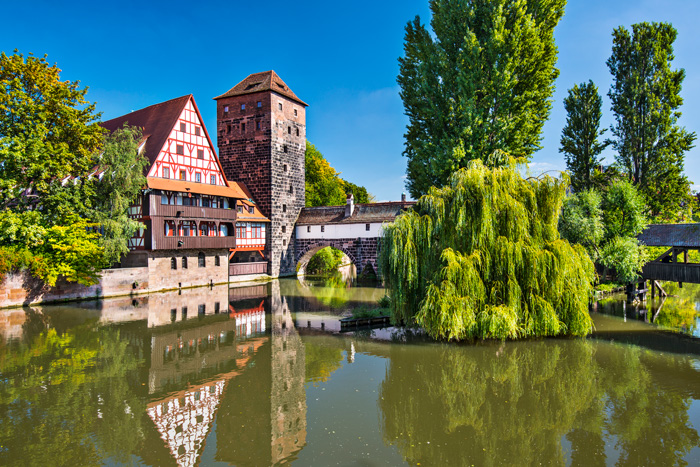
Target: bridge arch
<point>308,251</point>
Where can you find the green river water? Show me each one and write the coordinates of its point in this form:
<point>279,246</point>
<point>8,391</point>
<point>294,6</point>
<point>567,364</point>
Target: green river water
<point>262,375</point>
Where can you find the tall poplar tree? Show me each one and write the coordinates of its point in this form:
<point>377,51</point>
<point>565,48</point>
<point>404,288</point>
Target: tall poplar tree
<point>645,97</point>
<point>478,86</point>
<point>579,138</point>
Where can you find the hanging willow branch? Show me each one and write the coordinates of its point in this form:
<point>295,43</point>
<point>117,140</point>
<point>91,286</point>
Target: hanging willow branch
<point>482,258</point>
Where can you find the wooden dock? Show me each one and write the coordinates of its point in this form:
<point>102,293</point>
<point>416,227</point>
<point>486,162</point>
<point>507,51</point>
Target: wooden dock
<point>347,323</point>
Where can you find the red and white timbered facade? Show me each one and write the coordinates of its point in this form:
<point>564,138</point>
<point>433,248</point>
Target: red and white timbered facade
<point>188,154</point>
<point>188,203</point>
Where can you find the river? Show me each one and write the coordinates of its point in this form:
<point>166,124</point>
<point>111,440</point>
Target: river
<point>261,375</point>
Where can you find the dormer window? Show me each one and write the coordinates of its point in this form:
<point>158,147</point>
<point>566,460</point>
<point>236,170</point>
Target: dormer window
<point>251,210</point>
<point>239,208</point>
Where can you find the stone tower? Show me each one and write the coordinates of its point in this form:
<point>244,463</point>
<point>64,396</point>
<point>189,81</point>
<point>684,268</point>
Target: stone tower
<point>261,134</point>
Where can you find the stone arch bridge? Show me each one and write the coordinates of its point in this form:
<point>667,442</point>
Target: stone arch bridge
<point>354,229</point>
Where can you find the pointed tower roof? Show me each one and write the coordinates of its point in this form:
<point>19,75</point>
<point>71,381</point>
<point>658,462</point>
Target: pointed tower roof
<point>264,81</point>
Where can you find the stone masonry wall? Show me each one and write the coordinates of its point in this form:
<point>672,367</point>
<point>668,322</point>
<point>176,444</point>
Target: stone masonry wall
<point>270,161</point>
<point>161,276</point>
<point>22,289</point>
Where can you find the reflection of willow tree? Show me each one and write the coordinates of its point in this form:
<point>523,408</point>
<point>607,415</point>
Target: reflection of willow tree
<point>66,399</point>
<point>512,406</point>
<point>679,312</point>
<point>321,361</point>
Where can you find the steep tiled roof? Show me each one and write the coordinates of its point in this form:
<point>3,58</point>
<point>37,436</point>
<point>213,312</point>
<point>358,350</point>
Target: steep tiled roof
<point>256,216</point>
<point>362,214</point>
<point>680,235</point>
<point>156,120</point>
<point>258,82</point>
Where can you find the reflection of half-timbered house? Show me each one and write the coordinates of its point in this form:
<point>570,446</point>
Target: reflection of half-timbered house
<point>188,207</point>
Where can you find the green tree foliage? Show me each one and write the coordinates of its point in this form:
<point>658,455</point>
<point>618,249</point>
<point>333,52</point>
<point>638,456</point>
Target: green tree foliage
<point>48,130</point>
<point>646,99</point>
<point>52,202</point>
<point>120,184</point>
<point>579,138</point>
<point>607,226</point>
<point>325,260</point>
<point>482,258</point>
<point>581,221</point>
<point>477,86</point>
<point>324,187</point>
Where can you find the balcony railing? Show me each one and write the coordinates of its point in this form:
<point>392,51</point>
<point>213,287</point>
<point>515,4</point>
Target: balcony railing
<point>241,269</point>
<point>168,243</point>
<point>191,212</point>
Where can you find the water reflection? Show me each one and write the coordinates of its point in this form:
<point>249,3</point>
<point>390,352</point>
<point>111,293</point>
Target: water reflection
<point>175,379</point>
<point>679,312</point>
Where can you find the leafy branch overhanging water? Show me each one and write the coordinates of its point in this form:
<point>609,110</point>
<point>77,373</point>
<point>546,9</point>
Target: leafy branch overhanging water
<point>482,258</point>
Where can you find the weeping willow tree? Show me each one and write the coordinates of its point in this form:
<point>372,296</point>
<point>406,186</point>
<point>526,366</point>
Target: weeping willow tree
<point>482,258</point>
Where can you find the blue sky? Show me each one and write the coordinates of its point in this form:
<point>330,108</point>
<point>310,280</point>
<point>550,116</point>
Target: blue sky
<point>339,57</point>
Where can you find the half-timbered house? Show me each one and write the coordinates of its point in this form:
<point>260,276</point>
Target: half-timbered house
<point>188,207</point>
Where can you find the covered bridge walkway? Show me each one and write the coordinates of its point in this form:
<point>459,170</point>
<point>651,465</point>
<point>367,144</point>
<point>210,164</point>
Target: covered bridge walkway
<point>673,264</point>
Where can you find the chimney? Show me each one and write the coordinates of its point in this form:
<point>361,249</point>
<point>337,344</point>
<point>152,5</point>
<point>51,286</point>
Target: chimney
<point>403,197</point>
<point>349,205</point>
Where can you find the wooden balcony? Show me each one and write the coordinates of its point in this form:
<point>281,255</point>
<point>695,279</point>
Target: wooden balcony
<point>241,269</point>
<point>172,243</point>
<point>190,212</point>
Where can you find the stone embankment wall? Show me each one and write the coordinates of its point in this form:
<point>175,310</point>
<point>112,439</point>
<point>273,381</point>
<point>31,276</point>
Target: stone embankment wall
<point>22,289</point>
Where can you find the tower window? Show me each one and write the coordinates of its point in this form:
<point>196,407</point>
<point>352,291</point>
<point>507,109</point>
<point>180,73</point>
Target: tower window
<point>257,125</point>
<point>284,229</point>
<point>184,262</point>
<point>280,105</point>
<point>180,149</point>
<point>285,148</point>
<point>366,226</point>
<point>217,262</point>
<point>308,228</point>
<point>173,263</point>
<point>297,131</point>
<point>200,153</point>
<point>183,127</point>
<point>323,228</point>
<point>291,189</point>
<point>284,208</point>
<point>259,104</point>
<point>228,128</point>
<point>242,106</point>
<point>295,112</point>
<point>226,109</point>
<point>289,130</point>
<point>285,167</point>
<point>284,242</point>
<point>201,260</point>
<point>197,131</point>
<point>242,127</point>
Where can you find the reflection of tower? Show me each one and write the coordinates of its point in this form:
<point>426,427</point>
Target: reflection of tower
<point>288,396</point>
